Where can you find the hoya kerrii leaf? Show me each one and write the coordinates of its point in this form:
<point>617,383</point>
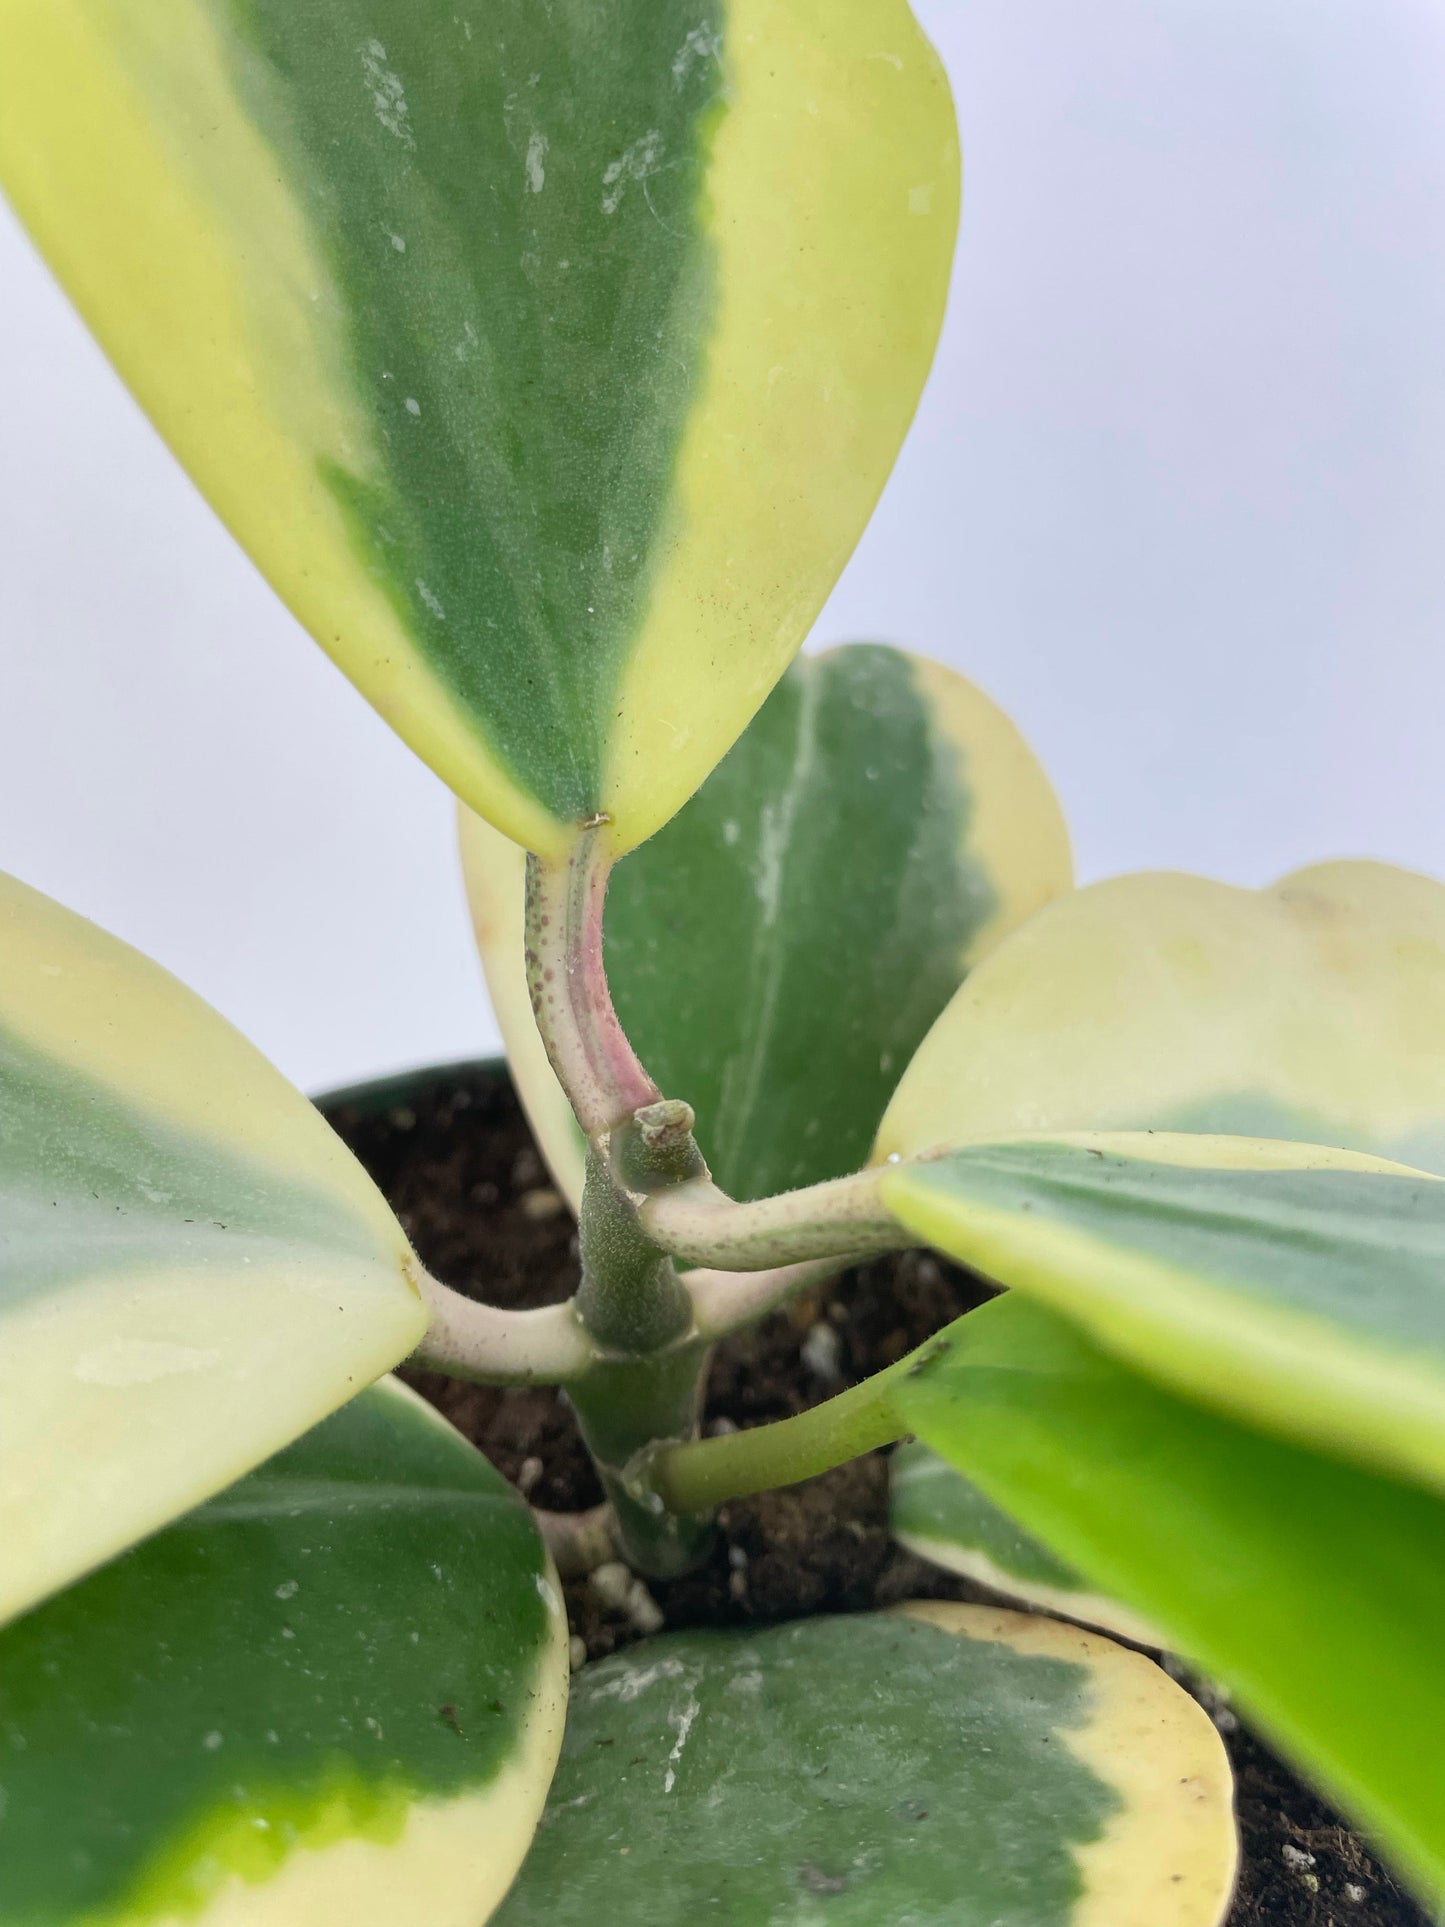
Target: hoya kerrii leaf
<point>333,1693</point>
<point>945,1518</point>
<point>778,951</point>
<point>1310,1587</point>
<point>1300,1288</point>
<point>1314,1010</point>
<point>944,1764</point>
<point>548,359</point>
<point>193,1268</point>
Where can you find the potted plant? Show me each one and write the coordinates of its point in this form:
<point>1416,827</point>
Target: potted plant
<point>549,361</point>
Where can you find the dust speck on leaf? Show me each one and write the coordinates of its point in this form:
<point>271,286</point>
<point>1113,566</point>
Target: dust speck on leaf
<point>684,1724</point>
<point>388,95</point>
<point>634,163</point>
<point>702,44</point>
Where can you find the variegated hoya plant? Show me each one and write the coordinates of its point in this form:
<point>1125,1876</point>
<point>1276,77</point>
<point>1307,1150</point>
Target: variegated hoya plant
<point>548,356</point>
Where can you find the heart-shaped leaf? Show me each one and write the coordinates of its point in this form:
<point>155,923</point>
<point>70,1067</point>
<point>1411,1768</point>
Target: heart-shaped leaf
<point>334,1693</point>
<point>944,1517</point>
<point>1300,1288</point>
<point>945,1765</point>
<point>1311,1587</point>
<point>549,359</point>
<point>193,1268</point>
<point>778,951</point>
<point>1314,1010</point>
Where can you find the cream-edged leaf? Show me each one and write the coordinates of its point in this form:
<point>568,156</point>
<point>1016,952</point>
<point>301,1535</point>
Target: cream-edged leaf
<point>1296,1286</point>
<point>1314,1010</point>
<point>193,1268</point>
<point>549,359</point>
<point>942,1516</point>
<point>947,1765</point>
<point>1309,1587</point>
<point>335,1692</point>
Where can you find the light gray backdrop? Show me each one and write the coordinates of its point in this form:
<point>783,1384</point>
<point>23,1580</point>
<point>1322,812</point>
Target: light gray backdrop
<point>1176,498</point>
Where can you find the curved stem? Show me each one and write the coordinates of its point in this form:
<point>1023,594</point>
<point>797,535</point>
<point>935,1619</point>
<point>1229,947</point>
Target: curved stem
<point>844,1217</point>
<point>727,1301</point>
<point>588,1049</point>
<point>707,1472</point>
<point>494,1347</point>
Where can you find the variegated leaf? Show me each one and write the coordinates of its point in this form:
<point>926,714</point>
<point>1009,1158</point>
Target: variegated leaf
<point>334,1693</point>
<point>1314,1011</point>
<point>950,1766</point>
<point>945,1518</point>
<point>549,359</point>
<point>1298,1287</point>
<point>193,1268</point>
<point>1310,1587</point>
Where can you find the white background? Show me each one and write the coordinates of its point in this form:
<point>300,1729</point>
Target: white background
<point>1176,498</point>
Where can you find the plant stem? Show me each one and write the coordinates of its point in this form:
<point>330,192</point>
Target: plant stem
<point>589,1051</point>
<point>649,1198</point>
<point>631,1300</point>
<point>494,1347</point>
<point>697,1222</point>
<point>707,1472</point>
<point>624,1407</point>
<point>649,1384</point>
<point>646,1376</point>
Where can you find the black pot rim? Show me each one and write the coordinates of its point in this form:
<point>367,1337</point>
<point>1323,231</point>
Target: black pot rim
<point>376,1094</point>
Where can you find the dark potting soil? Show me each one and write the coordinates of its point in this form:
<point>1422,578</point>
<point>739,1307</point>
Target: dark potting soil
<point>453,1154</point>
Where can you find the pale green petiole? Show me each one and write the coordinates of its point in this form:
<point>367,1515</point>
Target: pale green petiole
<point>698,1222</point>
<point>494,1347</point>
<point>704,1473</point>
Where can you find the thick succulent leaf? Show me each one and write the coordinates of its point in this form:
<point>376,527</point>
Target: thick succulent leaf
<point>548,359</point>
<point>193,1268</point>
<point>946,1764</point>
<point>779,950</point>
<point>944,1517</point>
<point>1314,1010</point>
<point>333,1693</point>
<point>1310,1587</point>
<point>1302,1289</point>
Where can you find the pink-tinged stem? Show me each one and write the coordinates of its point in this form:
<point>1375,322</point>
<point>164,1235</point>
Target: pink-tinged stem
<point>588,1048</point>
